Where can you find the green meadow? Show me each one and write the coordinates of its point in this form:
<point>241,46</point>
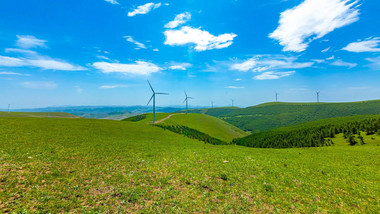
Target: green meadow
<point>51,165</point>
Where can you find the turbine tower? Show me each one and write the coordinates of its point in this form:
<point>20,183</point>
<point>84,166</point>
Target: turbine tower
<point>154,101</point>
<point>232,102</point>
<point>276,96</point>
<point>187,100</point>
<point>317,96</point>
<point>212,104</point>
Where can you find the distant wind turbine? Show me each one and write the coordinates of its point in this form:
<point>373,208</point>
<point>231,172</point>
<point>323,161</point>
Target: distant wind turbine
<point>317,96</point>
<point>276,96</point>
<point>212,104</point>
<point>154,101</point>
<point>232,104</point>
<point>187,100</point>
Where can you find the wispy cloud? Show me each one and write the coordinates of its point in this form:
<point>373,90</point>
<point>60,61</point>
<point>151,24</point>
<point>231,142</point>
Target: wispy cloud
<point>368,45</point>
<point>12,73</point>
<point>271,75</point>
<point>325,50</point>
<point>29,41</point>
<point>180,66</point>
<point>138,44</point>
<point>112,86</point>
<point>144,9</point>
<point>340,62</point>
<point>39,85</point>
<point>313,19</point>
<point>43,62</point>
<point>180,19</point>
<point>375,63</point>
<point>260,63</point>
<point>234,87</point>
<point>238,79</point>
<point>112,1</point>
<point>202,39</point>
<point>137,68</point>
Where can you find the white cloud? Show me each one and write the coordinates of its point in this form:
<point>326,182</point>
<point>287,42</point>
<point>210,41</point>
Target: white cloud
<point>39,85</point>
<point>29,41</point>
<point>260,63</point>
<point>112,1</point>
<point>313,19</point>
<point>138,44</point>
<point>340,62</point>
<point>238,79</point>
<point>144,9</point>
<point>39,62</point>
<point>112,86</point>
<point>22,51</point>
<point>11,61</point>
<point>368,45</point>
<point>234,87</point>
<point>325,50</point>
<point>331,57</point>
<point>137,68</point>
<point>9,73</point>
<point>202,39</point>
<point>180,19</point>
<point>375,63</point>
<point>180,66</point>
<point>156,49</point>
<point>270,75</point>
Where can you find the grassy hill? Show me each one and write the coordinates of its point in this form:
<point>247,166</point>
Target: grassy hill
<point>37,114</point>
<point>81,165</point>
<point>146,118</point>
<point>278,114</point>
<point>317,133</point>
<point>212,126</point>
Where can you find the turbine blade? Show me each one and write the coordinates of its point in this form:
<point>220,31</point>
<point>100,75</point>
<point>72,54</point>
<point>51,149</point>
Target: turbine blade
<point>150,99</point>
<point>185,93</point>
<point>184,100</point>
<point>191,97</point>
<point>150,86</point>
<point>162,93</point>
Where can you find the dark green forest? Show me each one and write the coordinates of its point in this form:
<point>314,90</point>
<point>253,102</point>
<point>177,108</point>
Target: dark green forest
<point>315,134</point>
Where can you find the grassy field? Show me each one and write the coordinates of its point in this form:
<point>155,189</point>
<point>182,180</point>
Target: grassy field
<point>207,124</point>
<point>83,165</point>
<point>147,118</point>
<point>37,114</point>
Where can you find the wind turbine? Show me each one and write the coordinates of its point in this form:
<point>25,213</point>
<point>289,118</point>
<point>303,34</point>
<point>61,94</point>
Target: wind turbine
<point>276,96</point>
<point>317,96</point>
<point>212,104</point>
<point>154,101</point>
<point>187,100</point>
<point>232,102</point>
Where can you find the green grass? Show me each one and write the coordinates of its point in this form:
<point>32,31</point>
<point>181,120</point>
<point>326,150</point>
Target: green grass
<point>53,165</point>
<point>212,126</point>
<point>36,114</point>
<point>148,117</point>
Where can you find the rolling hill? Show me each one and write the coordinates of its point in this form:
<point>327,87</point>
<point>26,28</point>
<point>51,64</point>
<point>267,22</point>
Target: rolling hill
<point>269,116</point>
<point>59,165</point>
<point>210,125</point>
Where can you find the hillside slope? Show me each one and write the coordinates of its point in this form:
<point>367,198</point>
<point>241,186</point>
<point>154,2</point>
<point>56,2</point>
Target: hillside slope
<point>212,126</point>
<point>273,115</point>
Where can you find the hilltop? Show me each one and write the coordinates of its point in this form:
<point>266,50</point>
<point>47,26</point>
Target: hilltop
<point>273,115</point>
<point>207,124</point>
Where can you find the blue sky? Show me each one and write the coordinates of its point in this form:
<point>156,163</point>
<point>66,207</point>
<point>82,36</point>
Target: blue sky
<point>101,52</point>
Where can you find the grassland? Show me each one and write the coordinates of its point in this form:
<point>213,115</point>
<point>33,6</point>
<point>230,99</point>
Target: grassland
<point>83,165</point>
<point>37,114</point>
<point>212,126</point>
